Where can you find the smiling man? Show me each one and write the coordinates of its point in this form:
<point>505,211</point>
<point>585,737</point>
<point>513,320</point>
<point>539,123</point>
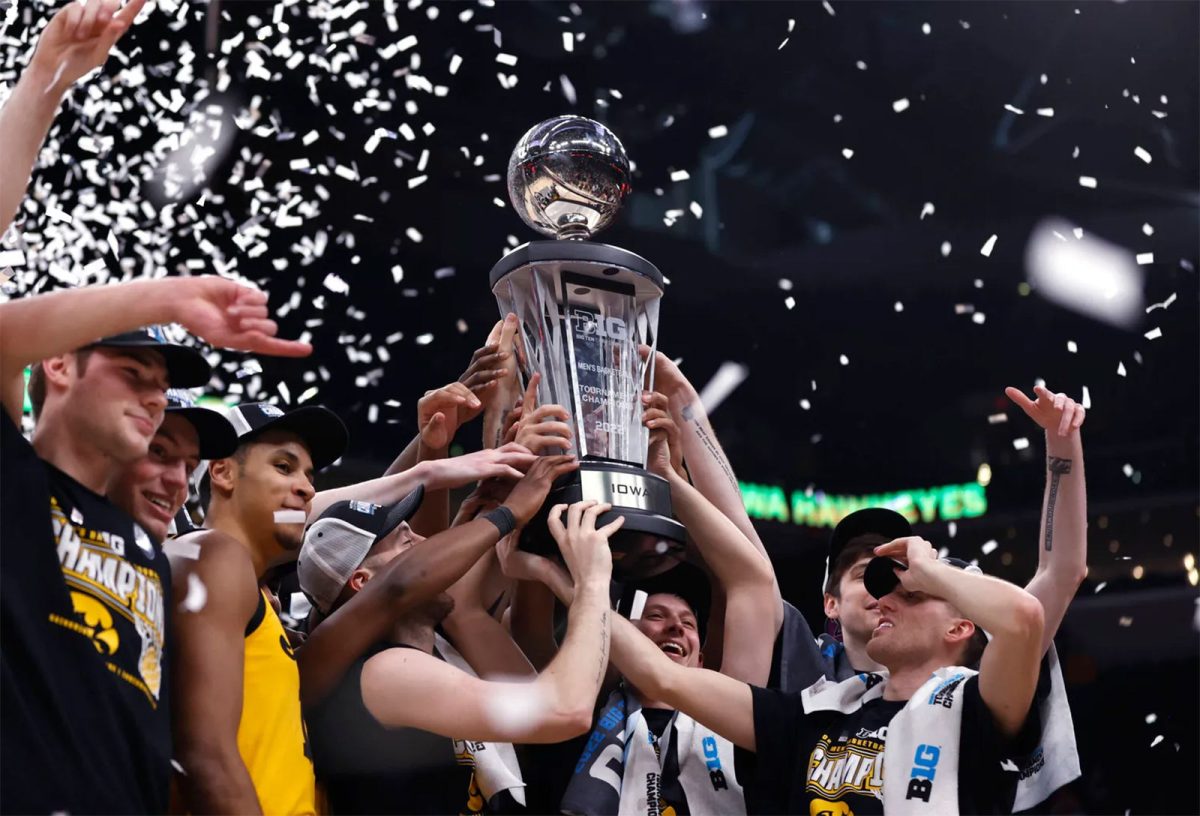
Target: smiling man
<point>154,488</point>
<point>239,735</point>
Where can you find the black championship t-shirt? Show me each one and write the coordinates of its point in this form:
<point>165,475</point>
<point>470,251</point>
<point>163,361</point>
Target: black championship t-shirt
<point>83,675</point>
<point>827,762</point>
<point>366,767</point>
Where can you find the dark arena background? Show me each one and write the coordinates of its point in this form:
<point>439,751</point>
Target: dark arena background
<point>873,217</point>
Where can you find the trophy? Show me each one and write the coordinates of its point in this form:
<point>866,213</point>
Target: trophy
<point>584,308</point>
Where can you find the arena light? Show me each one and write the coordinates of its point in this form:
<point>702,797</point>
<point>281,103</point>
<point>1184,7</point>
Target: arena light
<point>817,509</point>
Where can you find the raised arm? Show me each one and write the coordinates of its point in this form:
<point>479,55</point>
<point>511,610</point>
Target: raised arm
<point>208,651</point>
<point>1062,535</point>
<point>706,461</point>
<point>75,41</point>
<point>1008,672</point>
<point>413,577</point>
<point>436,474</point>
<point>213,308</point>
<point>403,689</point>
<point>753,608</point>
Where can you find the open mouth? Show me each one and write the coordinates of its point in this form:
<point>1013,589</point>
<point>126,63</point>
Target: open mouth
<point>884,625</point>
<point>671,647</point>
<point>159,503</point>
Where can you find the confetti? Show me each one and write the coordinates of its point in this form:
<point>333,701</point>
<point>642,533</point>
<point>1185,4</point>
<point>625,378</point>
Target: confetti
<point>679,175</point>
<point>1145,258</point>
<point>696,209</point>
<point>945,249</point>
<point>988,246</point>
<point>1147,230</point>
<point>197,594</point>
<point>847,152</point>
<point>718,131</point>
<point>1014,109</point>
<point>805,404</point>
<point>1020,443</point>
<point>789,302</point>
<point>1141,153</point>
<point>568,41</point>
<point>927,209</point>
<point>996,419</point>
<point>1087,181</point>
<point>1127,621</point>
<point>828,8</point>
<point>1047,112</point>
<point>290,517</point>
<point>843,359</point>
<point>1086,402</point>
<point>1153,334</point>
<point>423,339</point>
<point>1165,304</point>
<point>1120,369</point>
<point>898,306</point>
<point>1156,740</point>
<point>900,105</point>
<point>989,547</point>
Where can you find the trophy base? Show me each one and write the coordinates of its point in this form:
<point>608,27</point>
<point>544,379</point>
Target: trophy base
<point>649,543</point>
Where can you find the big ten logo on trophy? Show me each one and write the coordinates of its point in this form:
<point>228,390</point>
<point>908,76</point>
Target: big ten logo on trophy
<point>589,323</point>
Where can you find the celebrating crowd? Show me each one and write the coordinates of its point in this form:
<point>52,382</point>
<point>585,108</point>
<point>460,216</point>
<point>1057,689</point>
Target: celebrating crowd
<point>436,666</point>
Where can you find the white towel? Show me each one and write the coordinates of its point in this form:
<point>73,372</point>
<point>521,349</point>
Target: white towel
<point>1055,761</point>
<point>495,763</point>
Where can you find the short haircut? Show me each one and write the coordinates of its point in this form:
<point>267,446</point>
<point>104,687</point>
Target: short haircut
<point>37,380</point>
<point>973,650</point>
<point>855,549</point>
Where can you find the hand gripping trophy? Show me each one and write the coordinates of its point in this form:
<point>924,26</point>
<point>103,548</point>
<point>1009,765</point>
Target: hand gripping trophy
<point>583,309</point>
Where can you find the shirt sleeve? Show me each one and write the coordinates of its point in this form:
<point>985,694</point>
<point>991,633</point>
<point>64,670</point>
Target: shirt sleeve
<point>987,765</point>
<point>778,731</point>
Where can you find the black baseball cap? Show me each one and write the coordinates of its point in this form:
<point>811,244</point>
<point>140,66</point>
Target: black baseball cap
<point>186,366</point>
<point>217,437</point>
<point>880,575</point>
<point>878,520</point>
<point>684,580</point>
<point>321,430</point>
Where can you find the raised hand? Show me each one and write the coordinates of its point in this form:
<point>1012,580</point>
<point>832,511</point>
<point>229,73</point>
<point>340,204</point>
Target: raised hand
<point>1050,411</point>
<point>666,449</point>
<point>584,548</point>
<point>916,554</point>
<point>507,462</point>
<point>79,37</point>
<point>443,410</point>
<point>530,493</point>
<point>486,369</point>
<point>542,427</point>
<point>228,314</point>
<point>668,379</point>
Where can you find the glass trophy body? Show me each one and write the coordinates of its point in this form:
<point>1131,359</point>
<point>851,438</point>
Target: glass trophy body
<point>584,309</point>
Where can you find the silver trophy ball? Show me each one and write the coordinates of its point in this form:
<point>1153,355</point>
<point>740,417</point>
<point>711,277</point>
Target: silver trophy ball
<point>568,176</point>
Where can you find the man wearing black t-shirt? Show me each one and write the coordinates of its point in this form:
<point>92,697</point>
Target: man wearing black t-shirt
<point>944,730</point>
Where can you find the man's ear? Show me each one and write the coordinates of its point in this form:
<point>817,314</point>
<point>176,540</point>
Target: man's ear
<point>223,474</point>
<point>831,607</point>
<point>58,370</point>
<point>359,577</point>
<point>960,631</point>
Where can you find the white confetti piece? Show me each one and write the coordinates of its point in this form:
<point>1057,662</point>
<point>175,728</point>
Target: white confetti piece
<point>1014,109</point>
<point>791,24</point>
<point>900,105</point>
<point>1047,112</point>
<point>847,152</point>
<point>679,175</point>
<point>12,257</point>
<point>843,359</point>
<point>290,517</point>
<point>1072,347</point>
<point>1151,719</point>
<point>898,306</point>
<point>1086,402</point>
<point>417,181</point>
<point>506,59</point>
<point>568,41</point>
<point>456,62</point>
<point>828,8</point>
<point>1021,443</point>
<point>1144,258</point>
<point>1147,229</point>
<point>926,209</point>
<point>1165,304</point>
<point>1087,181</point>
<point>1121,369</point>
<point>996,419</point>
<point>989,547</point>
<point>805,404</point>
<point>1153,334</point>
<point>978,318</point>
<point>945,249</point>
<point>696,209</point>
<point>407,43</point>
<point>1127,621</point>
<point>789,302</point>
<point>423,339</point>
<point>1141,153</point>
<point>723,383</point>
<point>197,594</point>
<point>952,529</point>
<point>782,44</point>
<point>988,246</point>
<point>718,131</point>
<point>1088,275</point>
<point>414,235</point>
<point>785,284</point>
<point>568,90</point>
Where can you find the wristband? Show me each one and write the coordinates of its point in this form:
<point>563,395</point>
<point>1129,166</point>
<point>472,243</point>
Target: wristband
<point>503,518</point>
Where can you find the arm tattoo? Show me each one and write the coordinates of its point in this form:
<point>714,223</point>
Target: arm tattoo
<point>1058,468</point>
<point>603,665</point>
<point>714,449</point>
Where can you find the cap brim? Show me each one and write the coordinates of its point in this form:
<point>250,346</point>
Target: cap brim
<point>877,520</point>
<point>217,437</point>
<point>186,366</point>
<point>402,511</point>
<point>321,430</point>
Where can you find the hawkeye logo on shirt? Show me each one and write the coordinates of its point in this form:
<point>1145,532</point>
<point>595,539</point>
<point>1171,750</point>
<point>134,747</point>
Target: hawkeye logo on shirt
<point>106,591</point>
<point>853,765</point>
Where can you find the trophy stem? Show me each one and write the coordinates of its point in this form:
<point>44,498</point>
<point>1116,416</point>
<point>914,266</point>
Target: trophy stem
<point>573,232</point>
